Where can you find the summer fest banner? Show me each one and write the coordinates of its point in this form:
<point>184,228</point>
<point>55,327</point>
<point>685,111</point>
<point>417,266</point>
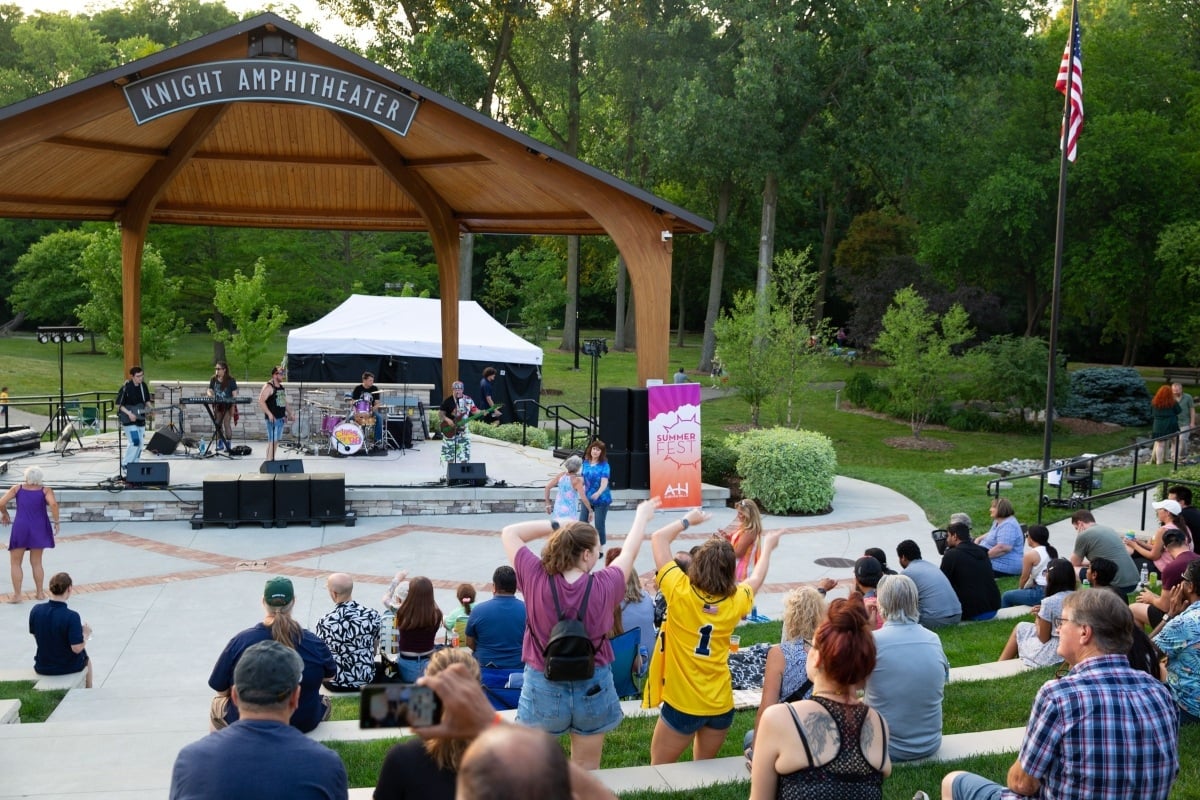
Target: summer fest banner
<point>675,444</point>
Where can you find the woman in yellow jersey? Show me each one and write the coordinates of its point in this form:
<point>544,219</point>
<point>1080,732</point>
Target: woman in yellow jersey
<point>689,669</point>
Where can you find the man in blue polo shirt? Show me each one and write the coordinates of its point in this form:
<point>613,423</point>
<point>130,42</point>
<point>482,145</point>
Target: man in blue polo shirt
<point>60,633</point>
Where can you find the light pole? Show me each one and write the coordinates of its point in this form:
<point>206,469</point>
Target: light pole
<point>59,335</point>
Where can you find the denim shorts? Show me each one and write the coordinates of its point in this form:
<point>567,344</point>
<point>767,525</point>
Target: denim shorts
<point>687,724</point>
<point>275,429</point>
<point>583,707</point>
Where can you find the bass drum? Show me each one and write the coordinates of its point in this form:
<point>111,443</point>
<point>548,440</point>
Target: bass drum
<point>346,439</point>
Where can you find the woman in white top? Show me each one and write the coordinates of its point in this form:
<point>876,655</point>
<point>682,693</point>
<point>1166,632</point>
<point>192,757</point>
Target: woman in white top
<point>1038,552</point>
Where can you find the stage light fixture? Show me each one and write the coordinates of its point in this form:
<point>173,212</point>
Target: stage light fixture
<point>59,335</point>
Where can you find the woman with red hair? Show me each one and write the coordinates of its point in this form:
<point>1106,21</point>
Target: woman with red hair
<point>832,746</point>
<point>1165,412</point>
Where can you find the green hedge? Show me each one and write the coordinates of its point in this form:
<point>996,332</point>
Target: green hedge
<point>511,432</point>
<point>788,471</point>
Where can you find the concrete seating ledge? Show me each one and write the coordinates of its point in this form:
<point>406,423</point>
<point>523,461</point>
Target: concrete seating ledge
<point>45,683</point>
<point>686,775</point>
<point>10,712</point>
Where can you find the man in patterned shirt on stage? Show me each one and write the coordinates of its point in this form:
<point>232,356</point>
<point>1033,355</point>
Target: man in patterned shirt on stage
<point>351,632</point>
<point>1105,731</point>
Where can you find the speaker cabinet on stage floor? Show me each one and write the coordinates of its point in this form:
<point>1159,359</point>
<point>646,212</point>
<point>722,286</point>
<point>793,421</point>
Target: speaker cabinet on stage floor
<point>291,498</point>
<point>164,442</point>
<point>639,421</point>
<point>327,495</point>
<point>148,473</point>
<point>282,465</point>
<point>466,473</point>
<point>221,498</point>
<point>256,498</point>
<point>618,466</point>
<point>614,418</point>
<point>639,470</point>
<point>401,430</point>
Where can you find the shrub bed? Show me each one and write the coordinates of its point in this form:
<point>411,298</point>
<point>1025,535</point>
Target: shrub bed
<point>788,471</point>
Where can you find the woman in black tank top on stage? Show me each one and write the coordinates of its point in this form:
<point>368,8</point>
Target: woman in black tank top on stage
<point>831,747</point>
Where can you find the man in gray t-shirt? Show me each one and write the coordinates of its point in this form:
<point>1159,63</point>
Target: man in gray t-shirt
<point>1101,541</point>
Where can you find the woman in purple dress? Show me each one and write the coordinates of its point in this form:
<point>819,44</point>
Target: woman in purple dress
<point>32,531</point>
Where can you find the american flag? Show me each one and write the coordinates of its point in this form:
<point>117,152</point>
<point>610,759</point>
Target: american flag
<point>1072,59</point>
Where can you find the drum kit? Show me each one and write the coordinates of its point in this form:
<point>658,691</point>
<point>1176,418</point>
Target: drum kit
<point>343,429</point>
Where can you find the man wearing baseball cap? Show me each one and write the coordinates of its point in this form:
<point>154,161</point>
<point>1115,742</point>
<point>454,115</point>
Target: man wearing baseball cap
<point>279,598</point>
<point>261,756</point>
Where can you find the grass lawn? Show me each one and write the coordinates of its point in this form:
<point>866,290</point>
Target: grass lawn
<point>35,706</point>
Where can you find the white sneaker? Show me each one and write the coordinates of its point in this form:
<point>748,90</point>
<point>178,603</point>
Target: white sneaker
<point>920,796</point>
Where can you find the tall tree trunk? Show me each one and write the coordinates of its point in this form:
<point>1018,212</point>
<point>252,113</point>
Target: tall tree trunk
<point>503,45</point>
<point>716,278</point>
<point>569,316</point>
<point>766,238</point>
<point>466,263</point>
<point>622,287</point>
<point>825,265</point>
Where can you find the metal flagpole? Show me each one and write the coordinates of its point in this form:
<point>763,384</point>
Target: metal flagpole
<point>1056,284</point>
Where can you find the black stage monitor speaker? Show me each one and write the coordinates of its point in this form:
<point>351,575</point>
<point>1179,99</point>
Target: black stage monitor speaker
<point>614,418</point>
<point>327,495</point>
<point>164,442</point>
<point>291,466</point>
<point>221,498</point>
<point>466,473</point>
<point>291,498</point>
<point>256,498</point>
<point>148,473</point>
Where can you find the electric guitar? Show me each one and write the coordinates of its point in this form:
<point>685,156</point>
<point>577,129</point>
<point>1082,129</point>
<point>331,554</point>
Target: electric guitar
<point>451,429</point>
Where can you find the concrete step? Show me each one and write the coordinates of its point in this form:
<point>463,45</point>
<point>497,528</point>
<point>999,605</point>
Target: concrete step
<point>45,683</point>
<point>10,712</point>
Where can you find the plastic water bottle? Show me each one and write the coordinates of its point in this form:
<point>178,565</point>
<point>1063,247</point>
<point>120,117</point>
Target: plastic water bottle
<point>1143,578</point>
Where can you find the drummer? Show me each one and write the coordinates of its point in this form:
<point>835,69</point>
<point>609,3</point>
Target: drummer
<point>367,392</point>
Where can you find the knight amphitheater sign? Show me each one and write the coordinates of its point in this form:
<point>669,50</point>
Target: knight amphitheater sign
<point>275,81</point>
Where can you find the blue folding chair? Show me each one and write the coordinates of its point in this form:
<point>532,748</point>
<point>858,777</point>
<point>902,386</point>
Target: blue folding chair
<point>625,649</point>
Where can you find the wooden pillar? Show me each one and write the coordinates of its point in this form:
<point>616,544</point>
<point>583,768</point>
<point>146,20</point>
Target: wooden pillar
<point>445,247</point>
<point>133,242</point>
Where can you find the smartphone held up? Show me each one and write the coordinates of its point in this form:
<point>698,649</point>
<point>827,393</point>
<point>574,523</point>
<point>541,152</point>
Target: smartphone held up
<point>399,705</point>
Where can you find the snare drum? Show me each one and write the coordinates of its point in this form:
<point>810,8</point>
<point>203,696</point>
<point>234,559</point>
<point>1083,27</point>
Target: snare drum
<point>329,422</point>
<point>346,439</point>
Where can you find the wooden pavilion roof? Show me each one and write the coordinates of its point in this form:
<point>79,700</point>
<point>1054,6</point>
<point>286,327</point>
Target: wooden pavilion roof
<point>77,153</point>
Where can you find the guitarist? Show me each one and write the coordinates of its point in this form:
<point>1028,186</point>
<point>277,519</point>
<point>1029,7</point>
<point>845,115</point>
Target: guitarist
<point>223,387</point>
<point>134,401</point>
<point>456,439</point>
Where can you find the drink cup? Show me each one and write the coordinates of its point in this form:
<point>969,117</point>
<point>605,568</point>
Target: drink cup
<point>735,642</point>
<point>1153,582</point>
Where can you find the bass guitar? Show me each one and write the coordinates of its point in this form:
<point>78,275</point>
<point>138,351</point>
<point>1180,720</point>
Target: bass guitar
<point>451,429</point>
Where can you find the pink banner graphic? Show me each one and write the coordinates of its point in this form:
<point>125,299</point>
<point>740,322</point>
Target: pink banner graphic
<point>675,444</point>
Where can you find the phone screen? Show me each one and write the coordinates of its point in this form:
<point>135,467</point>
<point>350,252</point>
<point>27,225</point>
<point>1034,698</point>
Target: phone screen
<point>399,705</point>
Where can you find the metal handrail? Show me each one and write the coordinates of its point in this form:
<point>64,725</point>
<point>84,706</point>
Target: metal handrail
<point>47,405</point>
<point>1088,464</point>
<point>554,412</point>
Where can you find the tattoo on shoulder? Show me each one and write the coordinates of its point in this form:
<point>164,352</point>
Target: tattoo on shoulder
<point>822,733</point>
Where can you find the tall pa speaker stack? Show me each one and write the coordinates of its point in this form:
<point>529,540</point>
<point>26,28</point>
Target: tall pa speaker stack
<point>624,426</point>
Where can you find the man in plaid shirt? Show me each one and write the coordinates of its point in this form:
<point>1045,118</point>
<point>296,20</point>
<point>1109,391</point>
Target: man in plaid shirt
<point>1104,732</point>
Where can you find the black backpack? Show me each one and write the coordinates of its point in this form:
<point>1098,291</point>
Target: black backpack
<point>570,653</point>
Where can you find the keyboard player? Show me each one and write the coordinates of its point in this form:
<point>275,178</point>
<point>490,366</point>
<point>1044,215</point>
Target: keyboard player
<point>223,388</point>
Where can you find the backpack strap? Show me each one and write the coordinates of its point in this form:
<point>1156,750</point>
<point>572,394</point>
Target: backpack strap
<point>583,603</point>
<point>558,609</point>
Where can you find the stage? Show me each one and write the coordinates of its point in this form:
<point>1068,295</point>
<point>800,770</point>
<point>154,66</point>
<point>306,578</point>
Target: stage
<point>401,482</point>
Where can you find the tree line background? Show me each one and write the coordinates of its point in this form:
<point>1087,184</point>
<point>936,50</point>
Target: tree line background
<point>895,144</point>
